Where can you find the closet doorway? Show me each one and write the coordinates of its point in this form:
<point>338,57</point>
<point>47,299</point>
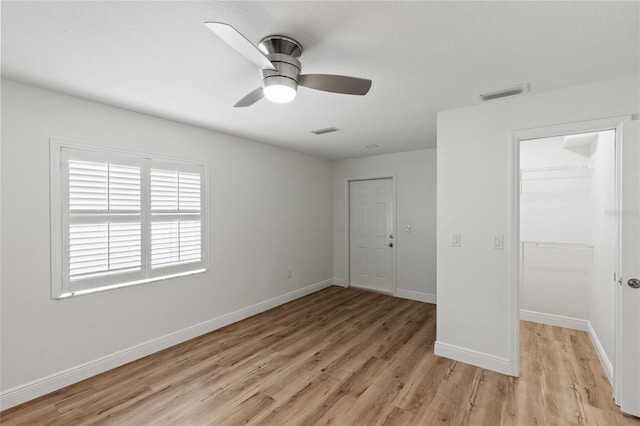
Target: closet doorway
<point>574,247</point>
<point>568,232</point>
<point>569,235</point>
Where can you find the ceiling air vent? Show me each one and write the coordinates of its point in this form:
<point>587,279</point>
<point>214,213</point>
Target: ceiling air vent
<point>323,131</point>
<point>502,93</point>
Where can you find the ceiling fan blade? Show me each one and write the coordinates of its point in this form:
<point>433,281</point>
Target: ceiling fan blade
<point>233,38</point>
<point>250,99</point>
<point>336,83</point>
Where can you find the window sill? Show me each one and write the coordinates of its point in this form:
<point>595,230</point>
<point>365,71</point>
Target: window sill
<point>127,284</point>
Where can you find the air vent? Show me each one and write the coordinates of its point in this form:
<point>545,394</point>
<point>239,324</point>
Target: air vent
<point>323,131</point>
<point>502,93</point>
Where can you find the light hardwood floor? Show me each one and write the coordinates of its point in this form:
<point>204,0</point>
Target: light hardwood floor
<point>339,356</point>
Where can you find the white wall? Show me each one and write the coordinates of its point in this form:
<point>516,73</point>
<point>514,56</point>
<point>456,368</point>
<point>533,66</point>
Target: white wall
<point>270,212</point>
<point>476,305</point>
<point>415,172</point>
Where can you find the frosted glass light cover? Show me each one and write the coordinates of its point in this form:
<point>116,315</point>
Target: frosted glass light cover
<point>279,93</point>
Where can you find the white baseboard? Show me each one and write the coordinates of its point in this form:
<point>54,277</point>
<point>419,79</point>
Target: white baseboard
<point>45,385</point>
<point>417,295</point>
<point>405,294</point>
<point>479,359</point>
<point>372,289</point>
<point>556,320</point>
<point>604,359</point>
<point>340,281</point>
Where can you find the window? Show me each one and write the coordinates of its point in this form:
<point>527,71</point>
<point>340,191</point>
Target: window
<point>120,219</point>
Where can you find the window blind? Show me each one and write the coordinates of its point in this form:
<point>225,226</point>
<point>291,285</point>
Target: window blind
<point>175,214</point>
<point>124,219</point>
<point>104,219</point>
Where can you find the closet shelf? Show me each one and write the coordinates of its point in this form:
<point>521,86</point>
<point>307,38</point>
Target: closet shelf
<point>555,173</point>
<point>555,168</point>
<point>556,245</point>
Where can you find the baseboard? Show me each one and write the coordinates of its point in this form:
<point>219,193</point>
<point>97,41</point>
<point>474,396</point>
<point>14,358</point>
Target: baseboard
<point>372,289</point>
<point>45,385</point>
<point>470,356</point>
<point>340,281</point>
<point>556,320</point>
<point>604,359</point>
<point>417,295</point>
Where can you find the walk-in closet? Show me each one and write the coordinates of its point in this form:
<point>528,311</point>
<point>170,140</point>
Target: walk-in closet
<point>568,231</point>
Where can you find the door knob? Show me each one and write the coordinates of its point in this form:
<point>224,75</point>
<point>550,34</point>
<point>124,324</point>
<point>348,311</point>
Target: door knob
<point>634,283</point>
<point>391,245</point>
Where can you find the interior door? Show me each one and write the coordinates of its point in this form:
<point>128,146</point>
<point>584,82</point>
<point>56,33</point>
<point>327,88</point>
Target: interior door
<point>628,372</point>
<point>371,239</point>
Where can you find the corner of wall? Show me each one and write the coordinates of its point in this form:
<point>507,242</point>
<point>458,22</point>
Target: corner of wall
<point>340,281</point>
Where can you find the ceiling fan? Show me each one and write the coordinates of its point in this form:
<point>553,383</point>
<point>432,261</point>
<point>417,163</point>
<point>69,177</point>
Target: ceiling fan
<point>277,56</point>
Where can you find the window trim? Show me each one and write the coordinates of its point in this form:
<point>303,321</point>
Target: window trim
<point>59,221</point>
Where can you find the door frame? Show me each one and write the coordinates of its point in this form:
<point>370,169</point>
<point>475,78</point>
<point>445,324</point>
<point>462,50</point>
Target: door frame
<point>347,237</point>
<point>514,223</point>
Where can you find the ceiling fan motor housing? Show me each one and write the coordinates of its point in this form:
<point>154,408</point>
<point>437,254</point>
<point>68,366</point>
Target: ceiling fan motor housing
<point>286,74</point>
<point>283,52</point>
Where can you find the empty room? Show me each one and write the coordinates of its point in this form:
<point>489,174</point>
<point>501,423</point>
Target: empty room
<point>314,212</point>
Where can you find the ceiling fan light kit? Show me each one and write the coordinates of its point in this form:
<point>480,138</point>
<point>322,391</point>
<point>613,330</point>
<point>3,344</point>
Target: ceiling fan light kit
<point>279,89</point>
<point>277,56</point>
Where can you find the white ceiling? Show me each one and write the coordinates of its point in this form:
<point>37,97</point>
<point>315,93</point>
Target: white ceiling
<point>423,57</point>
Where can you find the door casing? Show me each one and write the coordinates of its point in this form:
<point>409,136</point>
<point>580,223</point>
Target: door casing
<point>514,225</point>
<point>627,389</point>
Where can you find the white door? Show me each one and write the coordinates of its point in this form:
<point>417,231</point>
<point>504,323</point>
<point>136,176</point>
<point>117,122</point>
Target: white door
<point>371,238</point>
<point>628,372</point>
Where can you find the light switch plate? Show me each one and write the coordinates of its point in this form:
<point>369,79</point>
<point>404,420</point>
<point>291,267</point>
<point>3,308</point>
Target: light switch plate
<point>456,240</point>
<point>497,242</point>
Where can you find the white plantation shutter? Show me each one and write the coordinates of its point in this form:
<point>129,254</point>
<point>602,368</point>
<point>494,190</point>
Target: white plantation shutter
<point>88,185</point>
<point>103,186</point>
<point>176,223</point>
<point>100,249</point>
<point>104,239</point>
<point>125,219</point>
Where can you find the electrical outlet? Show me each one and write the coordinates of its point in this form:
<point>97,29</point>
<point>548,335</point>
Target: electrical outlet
<point>456,240</point>
<point>497,242</point>
<point>290,275</point>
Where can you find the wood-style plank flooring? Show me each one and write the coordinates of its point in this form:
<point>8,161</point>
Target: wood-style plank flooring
<point>339,356</point>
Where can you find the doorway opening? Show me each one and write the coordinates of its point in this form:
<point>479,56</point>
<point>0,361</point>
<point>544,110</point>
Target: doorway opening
<point>611,321</point>
<point>371,234</point>
<point>569,235</point>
